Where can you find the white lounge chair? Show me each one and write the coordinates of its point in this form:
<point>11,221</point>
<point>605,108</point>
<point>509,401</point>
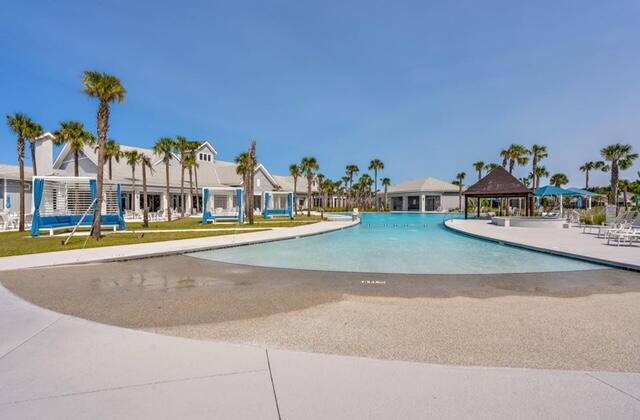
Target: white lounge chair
<point>624,235</point>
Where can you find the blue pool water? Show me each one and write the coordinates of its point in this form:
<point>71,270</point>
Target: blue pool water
<point>396,243</point>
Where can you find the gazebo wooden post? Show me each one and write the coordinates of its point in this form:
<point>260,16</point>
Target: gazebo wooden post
<point>466,206</point>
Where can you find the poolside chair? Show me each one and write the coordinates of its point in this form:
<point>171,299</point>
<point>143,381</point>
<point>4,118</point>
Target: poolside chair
<point>4,222</point>
<point>624,235</point>
<point>356,214</point>
<point>28,219</point>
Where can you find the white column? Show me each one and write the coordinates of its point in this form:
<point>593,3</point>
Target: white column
<point>405,203</point>
<point>189,204</point>
<point>164,201</point>
<point>422,198</point>
<point>4,193</point>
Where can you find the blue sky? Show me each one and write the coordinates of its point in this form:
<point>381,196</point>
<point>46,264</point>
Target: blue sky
<point>428,87</point>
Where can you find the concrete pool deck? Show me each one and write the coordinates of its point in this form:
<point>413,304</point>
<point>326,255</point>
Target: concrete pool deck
<point>72,368</point>
<point>569,242</point>
<point>156,249</point>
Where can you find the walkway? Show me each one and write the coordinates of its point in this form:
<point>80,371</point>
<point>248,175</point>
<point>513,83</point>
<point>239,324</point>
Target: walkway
<point>72,368</point>
<point>568,242</point>
<point>154,249</point>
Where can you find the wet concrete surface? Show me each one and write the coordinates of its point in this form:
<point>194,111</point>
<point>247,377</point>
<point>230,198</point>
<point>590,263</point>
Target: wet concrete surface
<point>577,320</point>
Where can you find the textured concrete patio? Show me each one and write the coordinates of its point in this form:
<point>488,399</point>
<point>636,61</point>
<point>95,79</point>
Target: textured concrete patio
<point>568,242</point>
<point>62,367</point>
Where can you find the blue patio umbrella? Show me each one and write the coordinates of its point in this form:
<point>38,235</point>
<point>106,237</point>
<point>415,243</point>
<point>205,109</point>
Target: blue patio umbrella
<point>550,190</point>
<point>8,203</point>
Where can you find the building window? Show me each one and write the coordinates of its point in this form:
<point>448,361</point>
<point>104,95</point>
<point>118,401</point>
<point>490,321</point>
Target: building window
<point>258,182</point>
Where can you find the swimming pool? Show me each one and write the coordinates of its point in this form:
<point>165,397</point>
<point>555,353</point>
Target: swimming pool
<point>396,243</point>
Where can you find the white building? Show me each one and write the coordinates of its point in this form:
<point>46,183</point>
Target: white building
<point>422,195</point>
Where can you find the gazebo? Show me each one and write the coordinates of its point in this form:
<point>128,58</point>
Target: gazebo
<point>499,183</point>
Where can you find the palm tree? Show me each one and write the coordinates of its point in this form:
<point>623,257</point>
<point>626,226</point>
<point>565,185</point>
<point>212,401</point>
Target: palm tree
<point>164,147</point>
<point>621,157</point>
<point>541,172</point>
<point>351,170</point>
<point>558,180</point>
<point>145,162</point>
<point>111,151</point>
<point>504,154</point>
<point>194,146</point>
<point>320,180</point>
<point>386,183</point>
<point>309,165</point>
<point>589,166</point>
<point>490,167</point>
<point>295,172</point>
<point>252,160</point>
<point>190,163</point>
<point>19,124</point>
<point>624,185</point>
<point>74,133</point>
<point>132,157</point>
<point>538,152</point>
<point>376,165</point>
<point>34,131</point>
<point>459,182</point>
<point>182,148</point>
<point>517,154</point>
<point>243,169</point>
<point>479,166</point>
<point>107,89</point>
<point>366,182</point>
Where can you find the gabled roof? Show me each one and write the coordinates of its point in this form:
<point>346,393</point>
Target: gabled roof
<point>206,144</point>
<point>498,183</point>
<point>423,185</point>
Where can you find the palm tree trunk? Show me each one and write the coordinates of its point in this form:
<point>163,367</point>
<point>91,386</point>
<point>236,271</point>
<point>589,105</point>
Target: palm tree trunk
<point>145,202</point>
<point>103,128</point>
<point>191,190</point>
<point>34,164</point>
<point>168,191</point>
<point>375,179</point>
<point>295,199</point>
<point>76,163</point>
<point>309,198</point>
<point>21,164</point>
<point>110,178</point>
<point>133,188</point>
<point>182,190</point>
<point>586,183</point>
<point>386,203</point>
<point>614,182</point>
<point>195,174</point>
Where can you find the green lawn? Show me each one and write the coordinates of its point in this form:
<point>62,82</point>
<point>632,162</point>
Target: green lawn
<point>20,243</point>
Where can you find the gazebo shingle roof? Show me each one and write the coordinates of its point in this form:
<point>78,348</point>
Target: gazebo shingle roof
<point>498,183</point>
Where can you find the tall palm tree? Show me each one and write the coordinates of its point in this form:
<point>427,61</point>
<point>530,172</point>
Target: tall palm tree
<point>386,183</point>
<point>504,154</point>
<point>182,150</point>
<point>107,89</point>
<point>620,157</point>
<point>320,178</point>
<point>590,166</point>
<point>34,131</point>
<point>376,165</point>
<point>624,185</point>
<point>74,133</point>
<point>366,182</point>
<point>517,153</point>
<point>132,158</point>
<point>541,172</point>
<point>538,152</point>
<point>19,124</point>
<point>244,169</point>
<point>309,165</point>
<point>190,163</point>
<point>479,166</point>
<point>253,162</point>
<point>193,148</point>
<point>460,176</point>
<point>145,162</point>
<point>164,147</point>
<point>351,171</point>
<point>295,172</point>
<point>111,152</point>
<point>558,180</point>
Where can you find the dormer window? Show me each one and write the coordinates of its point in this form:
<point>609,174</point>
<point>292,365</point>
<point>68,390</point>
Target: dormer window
<point>205,157</point>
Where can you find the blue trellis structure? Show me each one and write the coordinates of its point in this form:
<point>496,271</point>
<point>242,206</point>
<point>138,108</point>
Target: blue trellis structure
<point>222,203</point>
<point>278,204</point>
<point>61,202</point>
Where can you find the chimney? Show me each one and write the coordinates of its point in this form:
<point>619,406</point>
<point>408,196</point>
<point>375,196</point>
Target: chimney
<point>44,154</point>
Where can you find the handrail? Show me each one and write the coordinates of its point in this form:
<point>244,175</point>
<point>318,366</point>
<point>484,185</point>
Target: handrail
<point>66,241</point>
